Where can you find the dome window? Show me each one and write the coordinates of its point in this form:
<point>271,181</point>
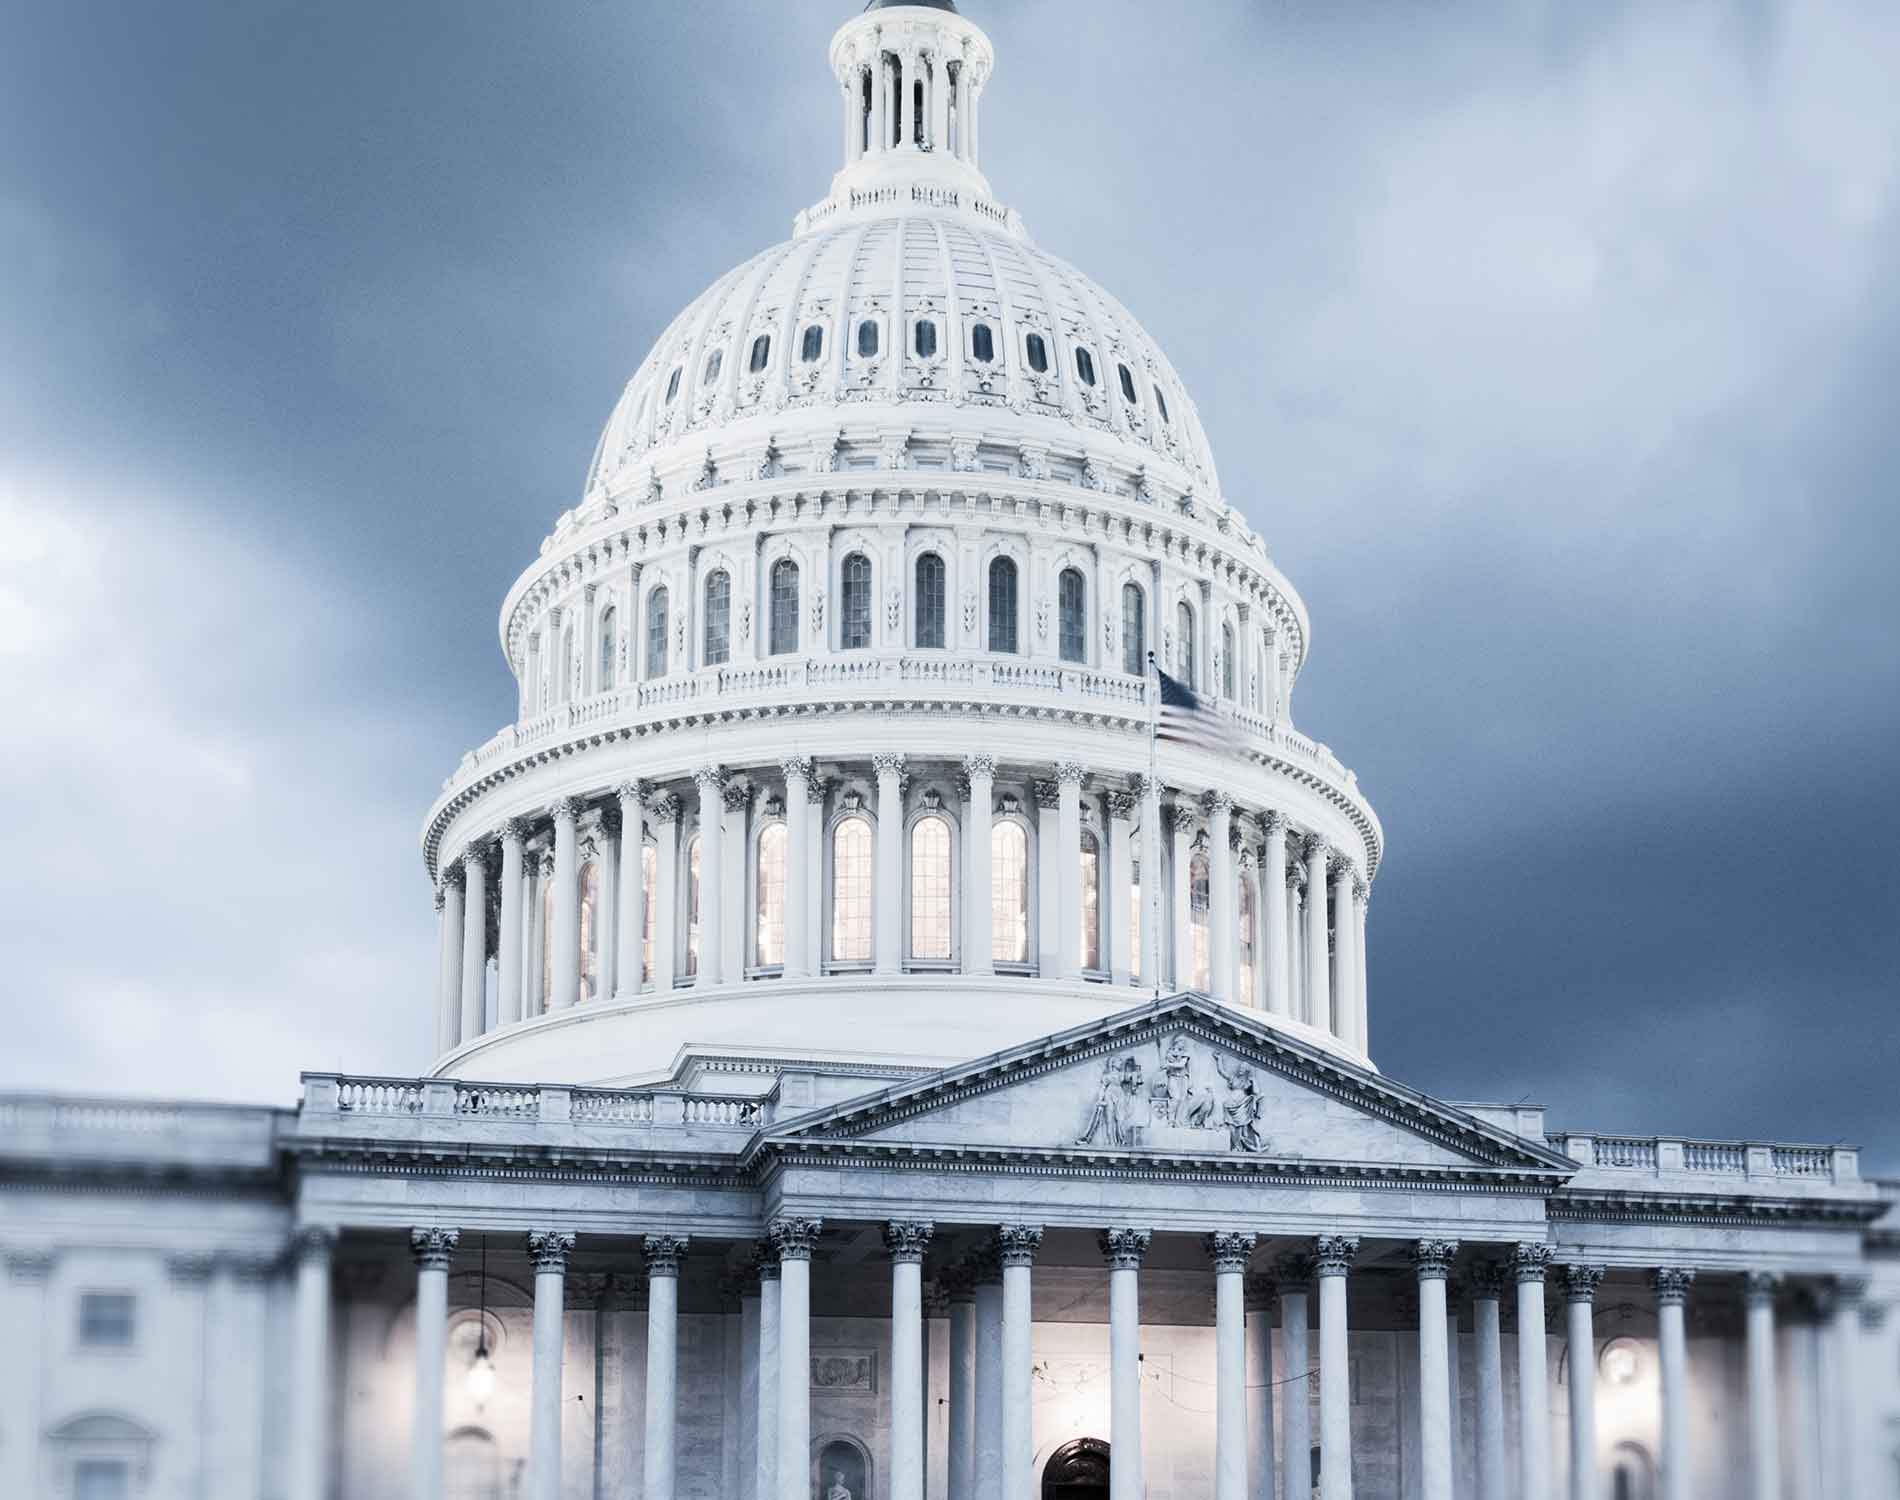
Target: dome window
<point>926,339</point>
<point>672,385</point>
<point>713,362</point>
<point>1128,386</point>
<point>1084,365</point>
<point>814,343</point>
<point>761,353</point>
<point>656,632</point>
<point>784,606</point>
<point>718,649</point>
<point>983,344</point>
<point>1134,631</point>
<point>1161,404</point>
<point>1003,605</point>
<point>1072,615</point>
<point>854,609</point>
<point>867,339</point>
<point>609,643</point>
<point>930,599</point>
<point>1037,351</point>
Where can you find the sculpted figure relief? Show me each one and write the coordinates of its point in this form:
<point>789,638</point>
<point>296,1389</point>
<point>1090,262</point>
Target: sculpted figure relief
<point>1181,1104</point>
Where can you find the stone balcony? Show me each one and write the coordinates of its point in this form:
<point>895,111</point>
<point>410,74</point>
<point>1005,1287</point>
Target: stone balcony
<point>1630,1161</point>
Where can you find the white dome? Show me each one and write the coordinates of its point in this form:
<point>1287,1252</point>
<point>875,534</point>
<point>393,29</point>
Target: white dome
<point>920,277</point>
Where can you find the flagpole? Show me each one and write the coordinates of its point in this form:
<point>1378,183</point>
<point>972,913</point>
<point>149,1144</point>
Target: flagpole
<point>1154,779</point>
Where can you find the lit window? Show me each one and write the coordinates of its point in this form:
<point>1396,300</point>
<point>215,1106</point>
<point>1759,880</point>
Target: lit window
<point>867,339</point>
<point>784,606</point>
<point>1184,649</point>
<point>761,353</point>
<point>930,888</point>
<point>1161,404</point>
<point>1197,917</point>
<point>649,875</point>
<point>1002,605</point>
<point>1246,995</point>
<point>926,339</point>
<point>713,362</point>
<point>672,385</point>
<point>930,599</point>
<point>607,644</point>
<point>982,344</point>
<point>854,604</point>
<point>718,618</point>
<point>1091,934</point>
<point>1134,630</point>
<point>1227,668</point>
<point>656,633</point>
<point>1072,613</point>
<point>590,929</point>
<point>692,905</point>
<point>851,877</point>
<point>1038,353</point>
<point>813,344</point>
<point>1084,365</point>
<point>1009,893</point>
<point>1128,386</point>
<point>106,1320</point>
<point>771,908</point>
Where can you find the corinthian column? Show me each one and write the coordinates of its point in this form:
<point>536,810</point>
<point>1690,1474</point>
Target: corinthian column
<point>1487,1299</point>
<point>448,1005</point>
<point>1273,916</point>
<point>548,1249</point>
<point>630,916</point>
<point>474,943</point>
<point>660,1460</point>
<point>1361,1032</point>
<point>514,835</point>
<point>566,939</point>
<point>1764,1454</point>
<point>907,1242</point>
<point>1345,1000</point>
<point>886,920</point>
<point>1580,1291</point>
<point>1432,1259</point>
<point>960,1284</point>
<point>1222,899</point>
<point>795,1238</point>
<point>1123,1249</point>
<point>433,1250</point>
<point>308,1460</point>
<point>711,781</point>
<point>1181,894</point>
<point>1318,976</point>
<point>987,1266</point>
<point>1672,1291</point>
<point>1533,1373</point>
<point>666,865</point>
<point>1114,890</point>
<point>1068,865</point>
<point>1295,1272</point>
<point>1017,1245</point>
<point>1334,1253</point>
<point>797,772</point>
<point>1230,1254</point>
<point>767,1487</point>
<point>978,913</point>
<point>1151,968</point>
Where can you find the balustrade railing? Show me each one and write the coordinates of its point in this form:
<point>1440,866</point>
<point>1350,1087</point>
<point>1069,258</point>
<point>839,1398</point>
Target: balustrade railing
<point>1802,1161</point>
<point>1623,1151</point>
<point>602,1108</point>
<point>1663,1156</point>
<point>379,1096</point>
<point>534,1104</point>
<point>488,1102</point>
<point>1716,1157</point>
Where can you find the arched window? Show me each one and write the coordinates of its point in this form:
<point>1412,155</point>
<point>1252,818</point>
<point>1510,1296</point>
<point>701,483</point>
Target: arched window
<point>608,643</point>
<point>672,385</point>
<point>718,618</point>
<point>851,877</point>
<point>1197,916</point>
<point>1084,365</point>
<point>713,362</point>
<point>1002,604</point>
<point>813,344</point>
<point>1009,893</point>
<point>656,632</point>
<point>692,905</point>
<point>926,337</point>
<point>867,339</point>
<point>1161,404</point>
<point>590,930</point>
<point>649,875</point>
<point>930,599</point>
<point>761,353</point>
<point>930,888</point>
<point>982,344</point>
<point>1134,630</point>
<point>1184,648</point>
<point>1128,386</point>
<point>1227,668</point>
<point>1091,902</point>
<point>854,604</point>
<point>1072,615</point>
<point>1037,351</point>
<point>567,664</point>
<point>784,606</point>
<point>1246,924</point>
<point>769,949</point>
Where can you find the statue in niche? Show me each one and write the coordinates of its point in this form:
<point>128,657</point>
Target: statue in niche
<point>1120,1113</point>
<point>838,1489</point>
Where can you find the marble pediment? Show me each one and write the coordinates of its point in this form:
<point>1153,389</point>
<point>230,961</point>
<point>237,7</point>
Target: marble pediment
<point>1183,1077</point>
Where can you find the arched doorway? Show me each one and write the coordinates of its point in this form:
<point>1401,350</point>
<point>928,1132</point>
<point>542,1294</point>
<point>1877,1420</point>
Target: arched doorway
<point>1077,1470</point>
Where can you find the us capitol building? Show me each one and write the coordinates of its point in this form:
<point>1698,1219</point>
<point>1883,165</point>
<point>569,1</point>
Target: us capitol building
<point>868,1068</point>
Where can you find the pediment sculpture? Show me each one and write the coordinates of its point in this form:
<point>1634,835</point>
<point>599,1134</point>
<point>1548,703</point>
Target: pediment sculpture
<point>1195,1099</point>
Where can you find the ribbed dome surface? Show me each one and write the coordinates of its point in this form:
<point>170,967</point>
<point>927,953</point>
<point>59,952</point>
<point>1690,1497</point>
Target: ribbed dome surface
<point>710,372</point>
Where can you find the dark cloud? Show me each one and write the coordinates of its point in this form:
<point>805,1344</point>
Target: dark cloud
<point>1551,350</point>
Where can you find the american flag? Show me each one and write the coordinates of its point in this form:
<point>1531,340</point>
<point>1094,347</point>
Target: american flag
<point>1190,719</point>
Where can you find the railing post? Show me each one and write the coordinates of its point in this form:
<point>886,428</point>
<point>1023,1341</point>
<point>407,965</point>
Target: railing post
<point>1761,1161</point>
<point>438,1097</point>
<point>319,1094</point>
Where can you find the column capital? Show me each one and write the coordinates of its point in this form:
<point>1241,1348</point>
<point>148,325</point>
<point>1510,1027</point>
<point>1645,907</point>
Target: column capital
<point>634,794</point>
<point>664,1253</point>
<point>710,779</point>
<point>190,1269</point>
<point>906,1240</point>
<point>1260,1291</point>
<point>1124,1248</point>
<point>1230,1252</point>
<point>433,1247</point>
<point>1432,1259</point>
<point>979,766</point>
<point>795,768</point>
<point>1760,1286</point>
<point>474,859</point>
<point>1335,1253</point>
<point>1295,876</point>
<point>1121,805</point>
<point>1672,1284</point>
<point>1070,773</point>
<point>765,1259</point>
<point>1148,786</point>
<point>1581,1282</point>
<point>515,831</point>
<point>565,809</point>
<point>736,795</point>
<point>1272,822</point>
<point>29,1267</point>
<point>815,788</point>
<point>549,1249</point>
<point>1216,802</point>
<point>1529,1261</point>
<point>1016,1244</point>
<point>1295,1269</point>
<point>795,1236</point>
<point>665,808</point>
<point>1047,794</point>
<point>1314,847</point>
<point>311,1240</point>
<point>1873,1316</point>
<point>888,763</point>
<point>1488,1278</point>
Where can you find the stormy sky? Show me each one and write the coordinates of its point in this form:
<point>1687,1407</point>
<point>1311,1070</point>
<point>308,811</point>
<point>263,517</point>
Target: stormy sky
<point>1551,347</point>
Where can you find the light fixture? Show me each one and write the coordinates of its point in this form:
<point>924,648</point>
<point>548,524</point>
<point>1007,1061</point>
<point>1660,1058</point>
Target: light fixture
<point>481,1370</point>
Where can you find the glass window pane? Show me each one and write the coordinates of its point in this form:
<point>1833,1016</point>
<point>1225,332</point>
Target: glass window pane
<point>867,339</point>
<point>1091,935</point>
<point>672,385</point>
<point>656,633</point>
<point>1128,386</point>
<point>851,876</point>
<point>813,345</point>
<point>718,618</point>
<point>926,338</point>
<point>1184,650</point>
<point>784,606</point>
<point>761,352</point>
<point>1002,605</point>
<point>854,607</point>
<point>1072,612</point>
<point>1038,352</point>
<point>1009,893</point>
<point>930,600</point>
<point>771,906</point>
<point>1227,661</point>
<point>930,888</point>
<point>1134,630</point>
<point>106,1319</point>
<point>608,642</point>
<point>713,362</point>
<point>692,905</point>
<point>1085,365</point>
<point>590,929</point>
<point>1197,917</point>
<point>982,344</point>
